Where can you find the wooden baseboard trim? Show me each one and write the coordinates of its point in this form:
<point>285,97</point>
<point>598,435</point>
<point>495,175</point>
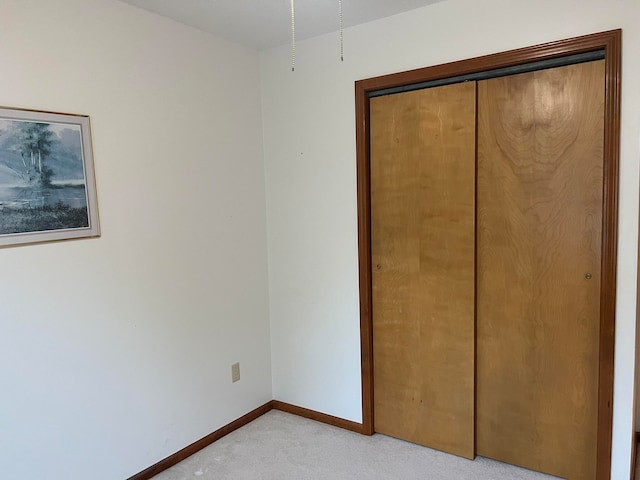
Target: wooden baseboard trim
<point>318,417</point>
<point>634,454</point>
<point>179,456</point>
<point>186,452</point>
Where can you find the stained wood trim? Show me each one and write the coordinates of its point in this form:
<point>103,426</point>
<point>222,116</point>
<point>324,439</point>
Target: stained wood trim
<point>317,416</point>
<point>634,455</point>
<point>195,447</point>
<point>364,254</point>
<point>546,51</point>
<point>611,43</point>
<point>613,76</point>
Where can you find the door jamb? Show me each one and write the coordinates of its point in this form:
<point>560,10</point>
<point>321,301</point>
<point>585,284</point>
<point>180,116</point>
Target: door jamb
<point>611,43</point>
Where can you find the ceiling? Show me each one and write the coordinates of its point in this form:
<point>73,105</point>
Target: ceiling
<point>263,24</point>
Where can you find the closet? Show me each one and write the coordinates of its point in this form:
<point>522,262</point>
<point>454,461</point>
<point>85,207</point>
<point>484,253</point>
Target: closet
<point>489,223</point>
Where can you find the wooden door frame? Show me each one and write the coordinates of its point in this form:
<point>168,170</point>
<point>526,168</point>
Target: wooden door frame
<point>611,43</point>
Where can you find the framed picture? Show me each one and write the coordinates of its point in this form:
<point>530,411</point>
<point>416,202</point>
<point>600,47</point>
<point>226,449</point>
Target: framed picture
<point>47,183</point>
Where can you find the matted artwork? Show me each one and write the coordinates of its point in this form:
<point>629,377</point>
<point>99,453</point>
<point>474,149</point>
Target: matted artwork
<point>47,183</point>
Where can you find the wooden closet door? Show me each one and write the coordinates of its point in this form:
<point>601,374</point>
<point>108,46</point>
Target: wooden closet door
<point>540,182</point>
<point>422,243</point>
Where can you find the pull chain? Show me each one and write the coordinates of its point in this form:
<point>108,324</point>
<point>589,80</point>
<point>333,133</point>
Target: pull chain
<point>293,35</point>
<point>341,33</point>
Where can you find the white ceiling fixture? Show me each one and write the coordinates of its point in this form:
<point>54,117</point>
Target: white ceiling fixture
<point>263,24</point>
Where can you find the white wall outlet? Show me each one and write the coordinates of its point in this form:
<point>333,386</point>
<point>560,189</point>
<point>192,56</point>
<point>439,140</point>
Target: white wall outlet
<point>235,372</point>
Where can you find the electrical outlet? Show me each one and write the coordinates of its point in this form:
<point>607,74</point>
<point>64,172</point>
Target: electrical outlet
<point>235,372</point>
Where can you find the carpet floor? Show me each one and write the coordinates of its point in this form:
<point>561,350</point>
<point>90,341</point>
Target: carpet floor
<point>280,446</point>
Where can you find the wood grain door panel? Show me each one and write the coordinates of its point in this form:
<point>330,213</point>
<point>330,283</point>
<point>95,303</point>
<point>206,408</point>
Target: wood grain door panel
<point>540,195</point>
<point>423,263</point>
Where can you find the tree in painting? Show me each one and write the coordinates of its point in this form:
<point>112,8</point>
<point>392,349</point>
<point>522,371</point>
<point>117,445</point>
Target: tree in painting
<point>33,141</point>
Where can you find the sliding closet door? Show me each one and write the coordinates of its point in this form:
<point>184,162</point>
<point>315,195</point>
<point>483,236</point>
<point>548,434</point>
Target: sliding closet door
<point>422,243</point>
<point>540,187</point>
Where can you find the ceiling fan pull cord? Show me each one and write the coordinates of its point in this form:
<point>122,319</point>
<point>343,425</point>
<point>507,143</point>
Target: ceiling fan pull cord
<point>341,33</point>
<point>293,35</point>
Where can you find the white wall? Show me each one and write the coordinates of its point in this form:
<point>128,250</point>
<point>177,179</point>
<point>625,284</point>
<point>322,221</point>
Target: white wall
<point>309,140</point>
<point>116,352</point>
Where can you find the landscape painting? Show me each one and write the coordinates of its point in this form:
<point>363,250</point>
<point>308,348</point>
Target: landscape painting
<point>47,185</point>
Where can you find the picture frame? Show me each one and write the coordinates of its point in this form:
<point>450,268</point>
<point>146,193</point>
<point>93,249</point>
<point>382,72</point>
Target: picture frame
<point>47,179</point>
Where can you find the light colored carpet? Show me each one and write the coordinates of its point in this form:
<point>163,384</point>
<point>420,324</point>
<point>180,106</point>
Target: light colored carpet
<point>279,446</point>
